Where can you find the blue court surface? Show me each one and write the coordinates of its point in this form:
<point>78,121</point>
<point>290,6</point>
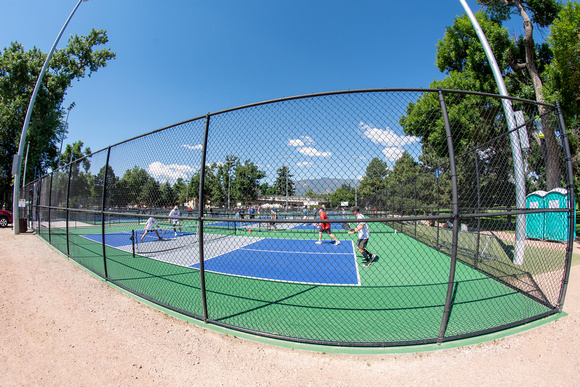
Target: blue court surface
<point>122,239</point>
<point>290,260</point>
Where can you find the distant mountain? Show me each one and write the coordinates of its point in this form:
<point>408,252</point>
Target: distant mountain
<point>321,186</point>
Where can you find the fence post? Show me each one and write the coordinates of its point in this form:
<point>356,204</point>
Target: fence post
<point>200,219</point>
<point>415,209</point>
<point>103,205</point>
<point>476,258</point>
<point>571,207</point>
<point>49,205</point>
<point>67,207</point>
<point>451,280</point>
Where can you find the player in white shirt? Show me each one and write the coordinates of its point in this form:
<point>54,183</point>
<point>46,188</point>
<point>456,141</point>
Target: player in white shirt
<point>151,225</point>
<point>175,222</point>
<point>363,237</point>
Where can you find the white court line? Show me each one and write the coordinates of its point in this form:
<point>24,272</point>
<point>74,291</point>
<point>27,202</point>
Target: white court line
<point>294,252</point>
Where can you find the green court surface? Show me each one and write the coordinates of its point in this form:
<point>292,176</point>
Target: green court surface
<point>400,298</point>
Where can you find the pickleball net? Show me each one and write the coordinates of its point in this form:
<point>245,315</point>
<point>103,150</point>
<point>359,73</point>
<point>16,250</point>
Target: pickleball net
<point>167,239</point>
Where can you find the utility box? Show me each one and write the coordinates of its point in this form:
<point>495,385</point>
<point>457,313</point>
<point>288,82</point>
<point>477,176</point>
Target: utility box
<point>23,224</point>
<point>553,226</point>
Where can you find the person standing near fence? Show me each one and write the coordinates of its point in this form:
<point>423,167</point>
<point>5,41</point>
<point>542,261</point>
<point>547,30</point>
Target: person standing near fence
<point>175,222</point>
<point>363,237</point>
<point>274,217</point>
<point>325,228</point>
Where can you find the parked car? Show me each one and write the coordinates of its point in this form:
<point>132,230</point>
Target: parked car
<point>5,218</point>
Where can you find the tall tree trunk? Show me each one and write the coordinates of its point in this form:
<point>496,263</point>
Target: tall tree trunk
<point>552,150</point>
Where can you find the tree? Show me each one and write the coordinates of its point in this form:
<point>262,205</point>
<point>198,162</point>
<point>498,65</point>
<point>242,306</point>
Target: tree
<point>74,152</point>
<point>246,184</point>
<point>543,13</point>
<point>345,193</point>
<point>284,183</point>
<point>461,56</point>
<point>168,196</point>
<point>19,70</point>
<point>563,76</point>
<point>112,194</point>
<point>373,182</point>
<point>150,194</point>
<point>180,190</point>
<point>131,184</point>
<point>564,71</point>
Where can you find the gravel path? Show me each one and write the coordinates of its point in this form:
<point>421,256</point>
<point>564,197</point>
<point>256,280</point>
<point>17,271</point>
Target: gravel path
<point>61,326</point>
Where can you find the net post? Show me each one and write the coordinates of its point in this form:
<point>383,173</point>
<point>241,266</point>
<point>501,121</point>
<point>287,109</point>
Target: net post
<point>133,242</point>
<point>451,280</point>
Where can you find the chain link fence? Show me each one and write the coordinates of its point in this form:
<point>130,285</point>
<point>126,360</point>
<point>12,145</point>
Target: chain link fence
<point>445,214</point>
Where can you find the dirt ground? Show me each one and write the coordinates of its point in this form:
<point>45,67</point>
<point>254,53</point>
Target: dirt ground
<point>61,326</point>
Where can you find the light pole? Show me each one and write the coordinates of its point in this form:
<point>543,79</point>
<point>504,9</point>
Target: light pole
<point>72,105</point>
<point>519,175</point>
<point>18,157</point>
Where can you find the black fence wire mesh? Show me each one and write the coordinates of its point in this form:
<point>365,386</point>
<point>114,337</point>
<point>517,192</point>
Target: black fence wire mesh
<point>361,218</point>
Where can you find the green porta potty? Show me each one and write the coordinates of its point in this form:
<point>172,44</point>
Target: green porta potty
<point>557,226</point>
<point>535,223</point>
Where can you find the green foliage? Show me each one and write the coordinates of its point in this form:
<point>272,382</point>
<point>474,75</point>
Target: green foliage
<point>543,12</point>
<point>246,184</point>
<point>19,70</point>
<point>374,180</point>
<point>284,183</point>
<point>563,74</point>
<point>346,193</point>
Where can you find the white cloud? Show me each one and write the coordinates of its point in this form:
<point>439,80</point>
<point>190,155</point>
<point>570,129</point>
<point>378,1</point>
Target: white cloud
<point>304,164</point>
<point>309,151</point>
<point>302,141</point>
<point>198,146</point>
<point>295,142</point>
<point>393,153</point>
<point>171,173</point>
<point>386,137</point>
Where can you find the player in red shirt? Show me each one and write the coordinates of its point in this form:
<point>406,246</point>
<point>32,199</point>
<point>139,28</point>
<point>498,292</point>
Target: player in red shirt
<point>325,228</point>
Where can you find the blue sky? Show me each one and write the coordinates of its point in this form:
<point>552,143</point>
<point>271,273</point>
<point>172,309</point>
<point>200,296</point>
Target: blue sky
<point>181,59</point>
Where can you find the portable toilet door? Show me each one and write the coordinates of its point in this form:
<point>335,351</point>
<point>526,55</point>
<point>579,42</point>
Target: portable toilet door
<point>535,223</point>
<point>557,225</point>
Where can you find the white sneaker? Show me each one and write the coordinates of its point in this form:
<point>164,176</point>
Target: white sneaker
<point>337,243</point>
<point>318,243</point>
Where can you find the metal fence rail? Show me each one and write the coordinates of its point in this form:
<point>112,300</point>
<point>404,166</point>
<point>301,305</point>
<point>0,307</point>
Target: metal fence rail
<point>432,172</point>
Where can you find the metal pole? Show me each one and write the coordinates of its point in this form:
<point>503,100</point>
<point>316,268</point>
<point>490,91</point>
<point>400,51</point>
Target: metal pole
<point>103,206</point>
<point>452,266</point>
<point>571,207</point>
<point>200,220</point>
<point>16,193</point>
<point>25,164</point>
<point>519,174</point>
<point>476,258</point>
<point>67,207</point>
<point>286,173</point>
<point>229,192</point>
